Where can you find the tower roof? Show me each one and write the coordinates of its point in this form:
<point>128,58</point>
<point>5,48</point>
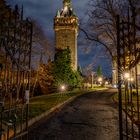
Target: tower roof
<point>58,13</point>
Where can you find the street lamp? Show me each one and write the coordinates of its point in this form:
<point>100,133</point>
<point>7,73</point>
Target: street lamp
<point>100,80</point>
<point>131,79</point>
<point>128,83</point>
<point>126,75</point>
<point>62,87</point>
<point>92,79</point>
<point>106,83</point>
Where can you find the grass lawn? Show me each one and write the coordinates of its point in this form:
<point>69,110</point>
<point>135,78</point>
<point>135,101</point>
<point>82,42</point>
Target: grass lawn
<point>41,104</point>
<point>98,88</point>
<point>128,95</point>
<point>129,102</point>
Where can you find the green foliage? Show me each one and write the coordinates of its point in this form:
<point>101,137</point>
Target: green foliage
<point>63,73</point>
<point>99,71</point>
<point>79,78</point>
<point>59,72</point>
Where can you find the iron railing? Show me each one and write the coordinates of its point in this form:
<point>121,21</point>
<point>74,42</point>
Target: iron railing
<point>15,71</point>
<point>128,58</point>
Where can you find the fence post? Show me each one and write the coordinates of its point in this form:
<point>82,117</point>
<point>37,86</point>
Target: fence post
<point>119,77</point>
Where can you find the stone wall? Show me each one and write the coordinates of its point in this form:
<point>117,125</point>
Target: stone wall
<point>66,32</point>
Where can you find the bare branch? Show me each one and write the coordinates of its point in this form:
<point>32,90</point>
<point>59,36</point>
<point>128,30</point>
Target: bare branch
<point>96,40</point>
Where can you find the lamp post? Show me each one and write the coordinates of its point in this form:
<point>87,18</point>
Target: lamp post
<point>62,88</point>
<point>126,75</point>
<point>92,79</point>
<point>100,79</point>
<point>114,81</point>
<point>106,83</point>
<point>127,78</point>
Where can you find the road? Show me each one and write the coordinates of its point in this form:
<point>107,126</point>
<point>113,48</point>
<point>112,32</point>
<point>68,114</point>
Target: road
<point>92,116</point>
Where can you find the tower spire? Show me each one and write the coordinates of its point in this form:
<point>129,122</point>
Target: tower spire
<point>67,3</point>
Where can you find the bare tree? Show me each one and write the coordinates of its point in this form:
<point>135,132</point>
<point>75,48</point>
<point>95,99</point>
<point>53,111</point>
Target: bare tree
<point>42,49</point>
<point>42,46</point>
<point>102,22</point>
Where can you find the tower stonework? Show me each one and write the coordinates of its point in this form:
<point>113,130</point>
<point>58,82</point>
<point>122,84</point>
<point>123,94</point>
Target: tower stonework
<point>66,31</point>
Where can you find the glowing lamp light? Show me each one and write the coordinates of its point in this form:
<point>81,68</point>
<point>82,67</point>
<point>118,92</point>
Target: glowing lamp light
<point>115,86</point>
<point>99,79</point>
<point>63,87</point>
<point>65,9</point>
<point>106,83</point>
<point>131,79</point>
<point>126,75</point>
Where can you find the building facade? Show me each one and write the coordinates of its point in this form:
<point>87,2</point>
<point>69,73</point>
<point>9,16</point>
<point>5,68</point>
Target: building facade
<point>134,71</point>
<point>66,31</point>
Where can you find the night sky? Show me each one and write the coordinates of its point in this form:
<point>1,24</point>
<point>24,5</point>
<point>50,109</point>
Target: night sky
<point>43,11</point>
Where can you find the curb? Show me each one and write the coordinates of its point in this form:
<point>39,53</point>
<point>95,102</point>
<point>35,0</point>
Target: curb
<point>36,119</point>
<point>48,113</point>
<point>54,109</point>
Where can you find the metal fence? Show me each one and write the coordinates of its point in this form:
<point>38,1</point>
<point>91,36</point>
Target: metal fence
<point>15,61</point>
<point>128,58</point>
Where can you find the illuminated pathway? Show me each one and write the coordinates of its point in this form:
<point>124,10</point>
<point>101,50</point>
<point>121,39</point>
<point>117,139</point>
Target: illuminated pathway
<point>91,116</point>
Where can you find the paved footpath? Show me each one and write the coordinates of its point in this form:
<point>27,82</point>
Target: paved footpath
<point>92,116</point>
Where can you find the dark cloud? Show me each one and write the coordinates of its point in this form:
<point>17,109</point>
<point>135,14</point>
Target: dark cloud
<point>44,10</point>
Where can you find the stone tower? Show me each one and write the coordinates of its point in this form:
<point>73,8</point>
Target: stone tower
<point>66,31</point>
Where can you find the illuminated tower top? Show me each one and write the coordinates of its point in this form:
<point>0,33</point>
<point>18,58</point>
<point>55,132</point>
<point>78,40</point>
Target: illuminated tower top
<point>67,10</point>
